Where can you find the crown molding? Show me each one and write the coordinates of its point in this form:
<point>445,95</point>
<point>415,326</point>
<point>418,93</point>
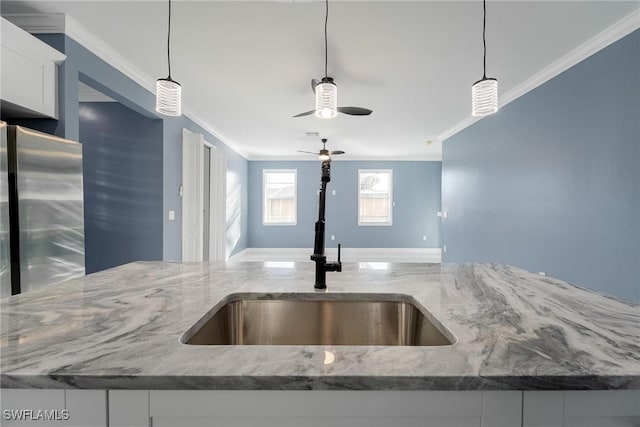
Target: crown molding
<point>38,23</point>
<point>197,119</point>
<point>615,32</point>
<point>113,58</point>
<point>59,23</point>
<point>55,23</point>
<point>21,40</point>
<point>108,54</point>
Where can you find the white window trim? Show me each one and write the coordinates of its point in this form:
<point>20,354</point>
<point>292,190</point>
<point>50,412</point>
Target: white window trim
<point>391,202</point>
<point>295,197</point>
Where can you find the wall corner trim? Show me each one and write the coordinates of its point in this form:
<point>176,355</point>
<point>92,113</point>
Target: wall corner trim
<point>612,34</point>
<point>56,23</point>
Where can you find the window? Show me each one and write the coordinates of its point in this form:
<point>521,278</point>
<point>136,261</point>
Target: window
<point>279,197</point>
<point>374,196</point>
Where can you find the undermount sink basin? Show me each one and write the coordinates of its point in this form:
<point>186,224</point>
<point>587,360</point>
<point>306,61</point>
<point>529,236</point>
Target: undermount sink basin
<point>313,319</point>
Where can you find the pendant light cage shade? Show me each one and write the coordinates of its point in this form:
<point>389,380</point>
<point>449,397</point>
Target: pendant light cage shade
<point>484,92</point>
<point>484,97</point>
<point>326,100</point>
<point>168,97</point>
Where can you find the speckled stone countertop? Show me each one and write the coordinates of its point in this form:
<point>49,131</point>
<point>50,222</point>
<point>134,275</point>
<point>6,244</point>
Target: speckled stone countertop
<point>120,329</point>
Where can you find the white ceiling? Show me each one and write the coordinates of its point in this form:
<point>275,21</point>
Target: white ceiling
<point>246,67</point>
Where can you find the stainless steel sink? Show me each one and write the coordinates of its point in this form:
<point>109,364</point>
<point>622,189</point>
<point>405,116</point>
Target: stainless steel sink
<point>313,319</point>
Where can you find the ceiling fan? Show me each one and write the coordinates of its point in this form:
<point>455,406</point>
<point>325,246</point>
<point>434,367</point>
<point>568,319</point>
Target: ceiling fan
<point>324,154</point>
<point>327,91</point>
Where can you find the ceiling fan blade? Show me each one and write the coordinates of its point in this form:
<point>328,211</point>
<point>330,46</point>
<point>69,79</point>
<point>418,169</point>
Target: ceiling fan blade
<point>355,111</point>
<point>306,113</point>
<point>314,83</point>
<point>307,152</point>
<point>337,152</point>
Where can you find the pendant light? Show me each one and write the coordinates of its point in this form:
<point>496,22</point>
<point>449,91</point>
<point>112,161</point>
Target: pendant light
<point>326,90</point>
<point>484,92</point>
<point>168,91</point>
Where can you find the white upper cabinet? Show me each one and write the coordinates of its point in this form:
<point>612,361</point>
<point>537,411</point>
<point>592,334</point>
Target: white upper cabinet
<point>28,82</point>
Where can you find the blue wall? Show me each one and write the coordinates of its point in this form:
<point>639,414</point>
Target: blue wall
<point>122,171</point>
<point>416,192</point>
<point>552,182</point>
<point>83,65</point>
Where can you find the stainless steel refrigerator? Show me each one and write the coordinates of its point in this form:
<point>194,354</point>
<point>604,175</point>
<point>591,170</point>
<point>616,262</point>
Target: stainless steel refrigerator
<point>41,210</point>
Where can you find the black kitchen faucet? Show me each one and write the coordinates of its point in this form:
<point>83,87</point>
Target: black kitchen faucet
<point>322,266</point>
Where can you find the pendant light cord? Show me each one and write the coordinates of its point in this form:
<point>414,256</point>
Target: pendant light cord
<point>169,41</point>
<point>484,40</point>
<point>326,19</point>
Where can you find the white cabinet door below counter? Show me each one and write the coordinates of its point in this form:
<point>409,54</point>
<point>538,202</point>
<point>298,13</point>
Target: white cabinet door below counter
<point>590,408</point>
<point>335,408</point>
<point>59,408</point>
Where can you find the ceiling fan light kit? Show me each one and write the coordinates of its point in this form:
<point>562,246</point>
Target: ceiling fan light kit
<point>324,154</point>
<point>326,99</point>
<point>168,91</point>
<point>484,92</point>
<point>326,90</point>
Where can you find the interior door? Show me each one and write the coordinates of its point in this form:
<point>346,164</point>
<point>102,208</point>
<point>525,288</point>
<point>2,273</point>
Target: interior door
<point>218,207</point>
<point>192,195</point>
<point>206,205</point>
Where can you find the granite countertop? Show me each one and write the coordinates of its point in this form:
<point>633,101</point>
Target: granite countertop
<point>120,329</point>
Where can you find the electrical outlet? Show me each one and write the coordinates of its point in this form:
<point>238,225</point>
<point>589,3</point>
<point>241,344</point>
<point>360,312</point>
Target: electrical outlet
<point>333,237</point>
<point>172,215</point>
<point>333,192</point>
<point>444,248</point>
<point>542,273</point>
<point>424,237</point>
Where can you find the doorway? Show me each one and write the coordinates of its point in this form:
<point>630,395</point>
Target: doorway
<point>203,199</point>
<point>122,180</point>
<point>206,198</point>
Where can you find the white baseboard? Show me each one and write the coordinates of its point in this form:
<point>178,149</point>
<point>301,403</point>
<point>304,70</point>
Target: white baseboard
<point>426,255</point>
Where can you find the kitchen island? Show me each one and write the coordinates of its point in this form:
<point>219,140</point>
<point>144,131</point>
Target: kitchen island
<point>514,330</point>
